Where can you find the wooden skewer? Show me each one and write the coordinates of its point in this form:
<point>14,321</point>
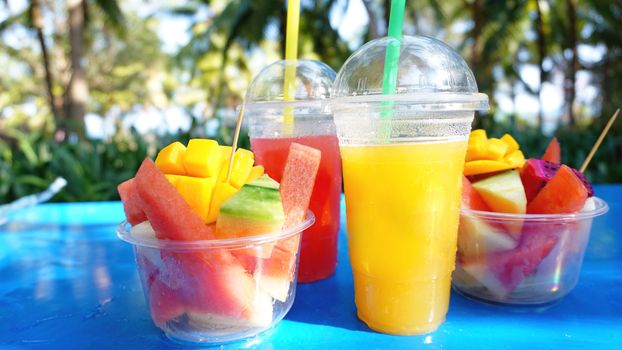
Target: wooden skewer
<point>599,140</point>
<point>236,136</point>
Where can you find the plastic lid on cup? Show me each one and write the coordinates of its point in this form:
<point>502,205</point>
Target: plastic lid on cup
<point>430,76</point>
<point>311,86</point>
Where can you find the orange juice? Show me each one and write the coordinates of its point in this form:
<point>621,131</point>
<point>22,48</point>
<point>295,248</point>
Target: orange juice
<point>402,205</point>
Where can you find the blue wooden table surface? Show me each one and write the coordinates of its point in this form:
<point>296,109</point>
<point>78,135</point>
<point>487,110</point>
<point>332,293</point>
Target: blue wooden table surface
<point>67,282</point>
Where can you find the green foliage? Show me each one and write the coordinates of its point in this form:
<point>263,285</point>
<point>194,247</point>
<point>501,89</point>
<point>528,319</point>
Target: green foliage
<point>31,161</point>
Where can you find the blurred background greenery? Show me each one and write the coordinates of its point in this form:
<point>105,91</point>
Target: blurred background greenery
<point>88,88</point>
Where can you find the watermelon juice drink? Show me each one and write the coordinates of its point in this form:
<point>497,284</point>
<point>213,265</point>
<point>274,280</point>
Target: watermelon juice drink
<point>319,243</point>
<point>310,124</point>
<point>403,156</point>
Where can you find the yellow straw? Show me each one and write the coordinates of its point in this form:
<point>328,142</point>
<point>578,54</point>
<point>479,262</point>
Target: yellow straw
<point>291,55</point>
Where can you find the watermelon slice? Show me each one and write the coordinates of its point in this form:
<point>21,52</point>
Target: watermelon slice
<point>131,202</point>
<point>164,303</point>
<point>169,214</point>
<point>564,193</point>
<point>502,272</point>
<point>273,274</point>
<point>220,293</point>
<point>553,152</point>
<point>297,182</point>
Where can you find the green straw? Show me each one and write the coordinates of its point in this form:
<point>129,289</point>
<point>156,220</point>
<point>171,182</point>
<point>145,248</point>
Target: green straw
<point>396,21</point>
<point>391,60</point>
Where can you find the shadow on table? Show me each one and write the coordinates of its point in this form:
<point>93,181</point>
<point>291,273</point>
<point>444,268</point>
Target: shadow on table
<point>329,302</point>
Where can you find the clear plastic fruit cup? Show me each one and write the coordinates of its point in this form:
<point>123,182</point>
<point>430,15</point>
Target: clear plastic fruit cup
<point>522,259</point>
<point>217,291</point>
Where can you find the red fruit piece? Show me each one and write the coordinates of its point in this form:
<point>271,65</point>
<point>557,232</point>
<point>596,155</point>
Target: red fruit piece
<point>535,174</point>
<point>169,214</point>
<point>553,152</point>
<point>164,303</point>
<point>564,193</point>
<point>471,199</point>
<point>297,182</point>
<point>218,291</point>
<point>131,202</point>
<point>512,267</point>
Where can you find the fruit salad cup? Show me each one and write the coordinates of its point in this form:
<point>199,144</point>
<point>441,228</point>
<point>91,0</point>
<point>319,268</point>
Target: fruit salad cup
<point>522,258</point>
<point>220,290</point>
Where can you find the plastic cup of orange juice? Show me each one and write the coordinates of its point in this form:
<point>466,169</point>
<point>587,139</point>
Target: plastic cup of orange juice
<point>403,157</point>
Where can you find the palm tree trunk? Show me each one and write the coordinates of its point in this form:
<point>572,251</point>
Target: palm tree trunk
<point>77,91</point>
<point>570,85</point>
<point>37,21</point>
<point>477,12</point>
<point>541,56</point>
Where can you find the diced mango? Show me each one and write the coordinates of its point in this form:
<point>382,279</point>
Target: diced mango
<point>516,159</point>
<point>256,172</point>
<point>202,158</point>
<point>169,159</point>
<point>476,150</point>
<point>222,192</point>
<point>197,192</point>
<point>172,179</point>
<point>476,167</point>
<point>242,164</point>
<point>496,149</point>
<point>478,134</point>
<point>512,144</point>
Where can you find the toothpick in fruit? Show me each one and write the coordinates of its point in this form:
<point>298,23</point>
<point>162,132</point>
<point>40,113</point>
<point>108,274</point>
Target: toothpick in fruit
<point>599,140</point>
<point>236,135</point>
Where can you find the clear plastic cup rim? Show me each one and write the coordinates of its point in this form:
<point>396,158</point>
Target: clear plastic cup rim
<point>201,245</point>
<point>438,100</point>
<point>600,208</point>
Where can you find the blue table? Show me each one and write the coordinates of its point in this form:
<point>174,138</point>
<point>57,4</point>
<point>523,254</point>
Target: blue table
<point>66,282</point>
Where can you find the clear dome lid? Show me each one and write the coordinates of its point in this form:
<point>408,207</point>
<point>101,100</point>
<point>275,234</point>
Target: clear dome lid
<point>313,81</point>
<point>430,75</point>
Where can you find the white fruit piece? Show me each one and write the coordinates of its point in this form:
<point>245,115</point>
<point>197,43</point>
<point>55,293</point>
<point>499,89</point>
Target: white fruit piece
<point>477,238</point>
<point>143,230</point>
<point>259,315</point>
<point>479,271</point>
<point>503,192</point>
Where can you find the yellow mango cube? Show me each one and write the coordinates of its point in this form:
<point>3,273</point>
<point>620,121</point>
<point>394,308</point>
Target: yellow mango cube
<point>243,161</point>
<point>169,159</point>
<point>172,179</point>
<point>222,192</point>
<point>516,159</point>
<point>495,149</point>
<point>478,135</point>
<point>197,192</point>
<point>202,158</point>
<point>476,167</point>
<point>256,172</point>
<point>511,142</point>
<point>476,150</point>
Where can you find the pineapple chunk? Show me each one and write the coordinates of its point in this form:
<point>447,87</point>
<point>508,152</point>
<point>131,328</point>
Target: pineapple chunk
<point>197,192</point>
<point>169,159</point>
<point>256,172</point>
<point>202,158</point>
<point>222,192</point>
